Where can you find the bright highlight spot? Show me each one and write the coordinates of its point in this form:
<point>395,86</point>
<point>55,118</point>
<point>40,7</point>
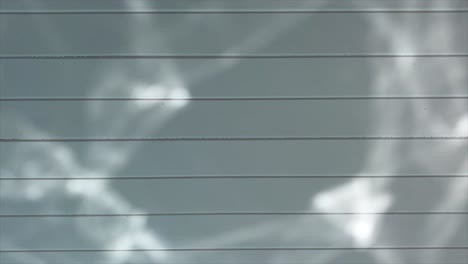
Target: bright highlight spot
<point>357,197</point>
<point>172,95</point>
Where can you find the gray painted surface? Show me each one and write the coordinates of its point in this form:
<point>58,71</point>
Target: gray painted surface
<point>409,33</point>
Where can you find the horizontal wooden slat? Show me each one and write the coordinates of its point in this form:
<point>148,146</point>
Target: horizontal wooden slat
<point>34,5</point>
<point>227,195</point>
<point>316,231</point>
<point>224,33</point>
<point>449,257</point>
<point>264,157</point>
<point>205,78</point>
<point>328,118</point>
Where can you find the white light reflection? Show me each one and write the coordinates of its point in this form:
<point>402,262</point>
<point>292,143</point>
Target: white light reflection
<point>401,76</point>
<point>357,196</point>
<point>164,80</point>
